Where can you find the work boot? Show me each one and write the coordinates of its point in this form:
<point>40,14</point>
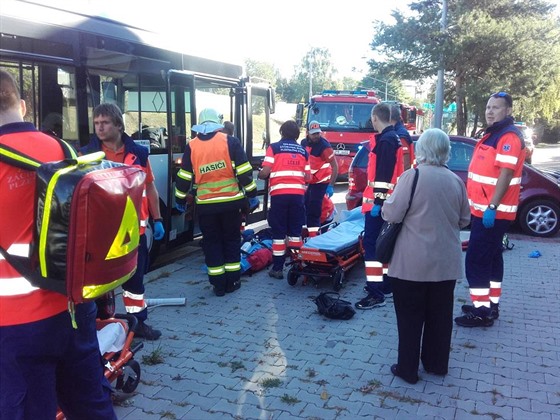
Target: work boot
<point>370,302</point>
<point>494,310</point>
<point>143,330</point>
<point>473,320</point>
<point>233,286</point>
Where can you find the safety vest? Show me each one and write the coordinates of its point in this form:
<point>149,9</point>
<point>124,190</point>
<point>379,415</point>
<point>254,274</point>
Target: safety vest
<point>321,169</point>
<point>214,172</point>
<point>289,162</point>
<point>21,302</point>
<point>498,149</point>
<point>381,189</point>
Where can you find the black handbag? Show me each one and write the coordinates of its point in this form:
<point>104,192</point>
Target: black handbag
<point>385,244</point>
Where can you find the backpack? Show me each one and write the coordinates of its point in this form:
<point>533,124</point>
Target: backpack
<point>87,230</point>
<point>330,305</point>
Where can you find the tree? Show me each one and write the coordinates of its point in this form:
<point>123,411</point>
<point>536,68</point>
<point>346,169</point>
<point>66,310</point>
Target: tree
<point>489,45</point>
<point>317,64</point>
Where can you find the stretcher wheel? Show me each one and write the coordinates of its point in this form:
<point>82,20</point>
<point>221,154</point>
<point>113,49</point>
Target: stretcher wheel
<point>292,277</point>
<point>338,279</point>
<point>130,378</point>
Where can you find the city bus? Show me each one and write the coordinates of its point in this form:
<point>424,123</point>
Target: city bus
<point>68,62</point>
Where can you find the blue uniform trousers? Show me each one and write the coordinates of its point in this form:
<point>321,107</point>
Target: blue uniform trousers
<point>136,283</point>
<point>371,232</point>
<point>314,203</point>
<point>484,261</point>
<point>47,362</point>
<point>286,218</point>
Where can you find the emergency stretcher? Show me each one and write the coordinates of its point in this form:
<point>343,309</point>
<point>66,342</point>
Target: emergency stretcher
<point>331,254</point>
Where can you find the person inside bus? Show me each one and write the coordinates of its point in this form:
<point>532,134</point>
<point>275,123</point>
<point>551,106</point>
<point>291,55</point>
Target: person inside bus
<point>119,147</point>
<point>404,136</point>
<point>43,359</point>
<point>218,165</point>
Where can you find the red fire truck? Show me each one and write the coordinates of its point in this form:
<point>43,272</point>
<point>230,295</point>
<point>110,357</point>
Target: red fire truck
<point>345,119</point>
<point>413,118</point>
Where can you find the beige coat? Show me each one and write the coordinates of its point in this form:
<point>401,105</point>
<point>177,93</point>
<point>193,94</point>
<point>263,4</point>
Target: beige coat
<point>428,248</point>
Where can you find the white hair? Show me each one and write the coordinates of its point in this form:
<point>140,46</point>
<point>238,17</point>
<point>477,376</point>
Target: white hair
<point>433,147</point>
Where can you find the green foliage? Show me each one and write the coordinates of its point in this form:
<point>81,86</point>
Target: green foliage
<point>488,46</point>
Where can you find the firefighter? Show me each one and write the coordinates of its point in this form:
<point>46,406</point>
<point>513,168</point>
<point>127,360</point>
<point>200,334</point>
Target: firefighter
<point>218,165</point>
<point>287,165</point>
<point>404,136</point>
<point>119,147</point>
<point>324,170</point>
<point>493,188</point>
<point>384,167</point>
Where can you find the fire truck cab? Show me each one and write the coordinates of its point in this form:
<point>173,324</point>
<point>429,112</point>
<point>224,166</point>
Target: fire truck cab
<point>345,119</point>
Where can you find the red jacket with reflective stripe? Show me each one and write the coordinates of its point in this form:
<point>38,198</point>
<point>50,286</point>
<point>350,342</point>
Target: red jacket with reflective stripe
<point>321,155</point>
<point>289,165</point>
<point>21,303</point>
<point>385,165</point>
<point>484,170</point>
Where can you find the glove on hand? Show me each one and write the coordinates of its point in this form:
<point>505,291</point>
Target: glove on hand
<point>181,207</point>
<point>488,218</point>
<point>254,203</point>
<point>159,231</point>
<point>330,190</point>
<point>376,210</point>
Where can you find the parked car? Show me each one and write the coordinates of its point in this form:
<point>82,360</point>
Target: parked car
<point>539,202</point>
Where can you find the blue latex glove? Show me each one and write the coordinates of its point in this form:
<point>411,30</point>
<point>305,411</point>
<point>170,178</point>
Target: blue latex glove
<point>253,203</point>
<point>330,190</point>
<point>159,231</point>
<point>488,218</point>
<point>181,207</point>
<point>376,210</point>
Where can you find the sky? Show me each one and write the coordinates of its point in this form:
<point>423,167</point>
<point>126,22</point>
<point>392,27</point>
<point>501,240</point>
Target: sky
<point>279,33</point>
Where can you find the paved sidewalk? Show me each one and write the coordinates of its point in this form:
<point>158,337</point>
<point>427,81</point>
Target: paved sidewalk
<point>264,352</point>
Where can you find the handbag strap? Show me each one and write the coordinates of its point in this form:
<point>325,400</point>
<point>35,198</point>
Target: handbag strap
<point>412,191</point>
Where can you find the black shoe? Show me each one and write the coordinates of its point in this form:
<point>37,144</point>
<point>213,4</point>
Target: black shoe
<point>494,310</point>
<point>219,292</point>
<point>370,302</point>
<point>232,287</point>
<point>395,371</point>
<point>143,330</point>
<point>434,372</point>
<point>387,295</point>
<point>473,320</point>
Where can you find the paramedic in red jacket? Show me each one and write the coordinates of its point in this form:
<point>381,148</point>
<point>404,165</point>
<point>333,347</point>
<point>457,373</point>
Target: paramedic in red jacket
<point>493,189</point>
<point>119,147</point>
<point>324,171</point>
<point>43,359</point>
<point>287,165</point>
<point>384,167</point>
<point>217,164</point>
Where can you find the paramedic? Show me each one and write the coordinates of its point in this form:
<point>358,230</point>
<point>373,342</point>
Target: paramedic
<point>404,136</point>
<point>324,170</point>
<point>43,359</point>
<point>384,167</point>
<point>119,147</point>
<point>287,165</point>
<point>218,165</point>
<point>424,268</point>
<point>493,189</point>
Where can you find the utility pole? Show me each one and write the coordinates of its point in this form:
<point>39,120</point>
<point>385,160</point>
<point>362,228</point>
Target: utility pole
<point>310,80</point>
<point>439,87</point>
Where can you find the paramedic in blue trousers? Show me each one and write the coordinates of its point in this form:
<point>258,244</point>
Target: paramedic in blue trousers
<point>217,164</point>
<point>119,147</point>
<point>324,171</point>
<point>287,165</point>
<point>384,167</point>
<point>44,361</point>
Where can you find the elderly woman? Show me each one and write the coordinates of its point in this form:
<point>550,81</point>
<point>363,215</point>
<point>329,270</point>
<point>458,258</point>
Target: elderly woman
<point>427,258</point>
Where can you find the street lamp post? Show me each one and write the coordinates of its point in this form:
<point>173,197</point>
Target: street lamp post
<point>438,116</point>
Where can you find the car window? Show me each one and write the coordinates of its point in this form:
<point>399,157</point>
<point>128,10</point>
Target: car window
<point>460,156</point>
<point>361,158</point>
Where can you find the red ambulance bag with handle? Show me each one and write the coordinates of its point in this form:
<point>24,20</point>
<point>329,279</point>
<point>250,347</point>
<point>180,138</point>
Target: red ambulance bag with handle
<point>87,228</point>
